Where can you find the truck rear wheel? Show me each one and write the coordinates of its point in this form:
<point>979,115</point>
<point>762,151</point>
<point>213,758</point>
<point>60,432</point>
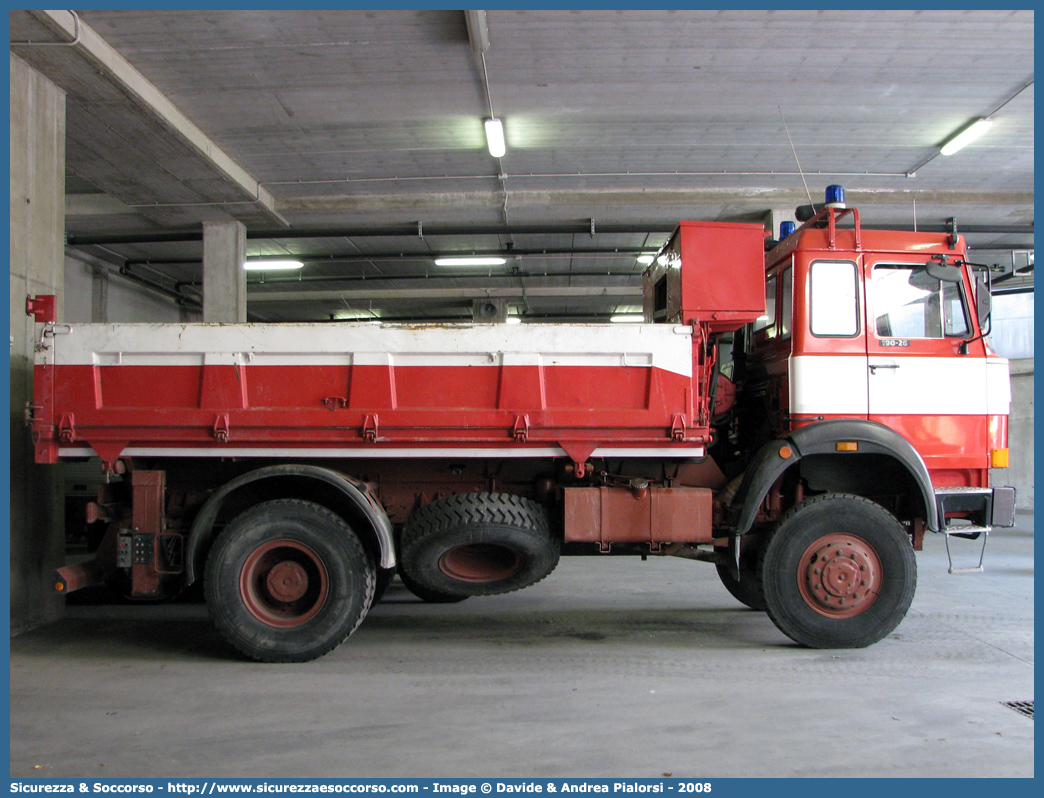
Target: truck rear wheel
<point>288,581</point>
<point>838,572</point>
<point>424,594</point>
<point>478,544</point>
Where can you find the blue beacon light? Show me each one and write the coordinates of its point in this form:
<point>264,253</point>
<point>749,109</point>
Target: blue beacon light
<point>785,229</point>
<point>835,197</point>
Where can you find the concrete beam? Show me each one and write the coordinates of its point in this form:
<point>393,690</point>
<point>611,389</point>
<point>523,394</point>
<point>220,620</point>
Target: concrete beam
<point>95,205</point>
<point>103,57</point>
<point>747,200</point>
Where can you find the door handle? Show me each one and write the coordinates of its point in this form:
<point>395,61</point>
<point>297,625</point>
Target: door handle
<point>875,366</point>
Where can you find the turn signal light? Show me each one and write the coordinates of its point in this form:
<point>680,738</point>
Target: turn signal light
<point>847,446</point>
<point>999,458</point>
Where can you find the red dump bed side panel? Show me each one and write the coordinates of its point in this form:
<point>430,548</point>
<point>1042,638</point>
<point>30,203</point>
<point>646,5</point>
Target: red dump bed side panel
<point>365,390</point>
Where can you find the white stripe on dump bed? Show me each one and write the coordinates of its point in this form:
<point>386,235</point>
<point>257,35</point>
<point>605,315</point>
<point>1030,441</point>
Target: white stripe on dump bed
<point>664,346</point>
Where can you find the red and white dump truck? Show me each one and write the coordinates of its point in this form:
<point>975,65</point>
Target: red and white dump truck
<point>804,448</point>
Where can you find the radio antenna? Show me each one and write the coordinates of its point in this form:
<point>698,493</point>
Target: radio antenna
<point>793,150</point>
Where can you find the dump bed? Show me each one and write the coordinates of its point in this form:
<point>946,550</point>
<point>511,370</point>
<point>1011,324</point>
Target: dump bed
<point>348,389</point>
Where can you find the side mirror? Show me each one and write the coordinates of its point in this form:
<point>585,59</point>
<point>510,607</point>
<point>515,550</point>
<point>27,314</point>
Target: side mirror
<point>983,307</point>
<point>943,272</point>
<point>983,298</point>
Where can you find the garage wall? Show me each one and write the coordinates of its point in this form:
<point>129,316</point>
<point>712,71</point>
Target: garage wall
<point>94,293</point>
<point>1012,325</point>
<point>1020,434</point>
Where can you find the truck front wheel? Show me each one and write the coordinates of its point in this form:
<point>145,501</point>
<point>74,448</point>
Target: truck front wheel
<point>288,581</point>
<point>747,589</point>
<point>838,572</point>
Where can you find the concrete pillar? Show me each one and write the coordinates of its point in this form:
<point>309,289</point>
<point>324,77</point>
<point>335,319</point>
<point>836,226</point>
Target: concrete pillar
<point>37,267</point>
<point>99,295</point>
<point>1020,435</point>
<point>224,281</point>
<point>775,216</point>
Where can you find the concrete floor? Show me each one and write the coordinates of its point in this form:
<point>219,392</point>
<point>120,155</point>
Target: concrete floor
<point>610,667</point>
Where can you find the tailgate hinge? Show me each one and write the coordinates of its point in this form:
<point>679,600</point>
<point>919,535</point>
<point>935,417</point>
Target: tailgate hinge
<point>369,429</point>
<point>678,427</point>
<point>520,430</point>
<point>67,428</point>
<point>221,430</point>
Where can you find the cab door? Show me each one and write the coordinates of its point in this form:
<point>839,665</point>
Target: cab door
<point>918,383</point>
<point>828,373</point>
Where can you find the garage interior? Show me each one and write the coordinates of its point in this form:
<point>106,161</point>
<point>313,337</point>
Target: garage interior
<point>153,152</point>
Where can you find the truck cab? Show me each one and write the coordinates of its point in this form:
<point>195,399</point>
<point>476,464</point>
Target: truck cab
<point>886,328</point>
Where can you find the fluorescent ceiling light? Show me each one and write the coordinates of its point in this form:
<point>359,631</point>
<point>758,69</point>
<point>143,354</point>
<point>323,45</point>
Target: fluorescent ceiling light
<point>646,260</point>
<point>466,261</point>
<point>272,265</point>
<point>495,138</point>
<point>625,318</point>
<point>966,136</point>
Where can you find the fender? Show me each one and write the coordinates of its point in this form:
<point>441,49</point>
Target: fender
<point>354,491</point>
<point>873,438</point>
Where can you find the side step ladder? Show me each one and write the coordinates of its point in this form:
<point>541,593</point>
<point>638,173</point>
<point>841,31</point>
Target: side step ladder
<point>977,501</point>
<point>971,533</point>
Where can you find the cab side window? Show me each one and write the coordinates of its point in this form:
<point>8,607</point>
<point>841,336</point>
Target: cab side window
<point>769,319</point>
<point>834,299</point>
<point>786,316</point>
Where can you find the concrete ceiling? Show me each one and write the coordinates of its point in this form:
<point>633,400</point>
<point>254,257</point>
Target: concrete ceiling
<point>355,138</point>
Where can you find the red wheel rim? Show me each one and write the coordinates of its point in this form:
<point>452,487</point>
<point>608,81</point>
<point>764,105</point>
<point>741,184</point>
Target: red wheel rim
<point>284,583</point>
<point>839,575</point>
<point>480,562</point>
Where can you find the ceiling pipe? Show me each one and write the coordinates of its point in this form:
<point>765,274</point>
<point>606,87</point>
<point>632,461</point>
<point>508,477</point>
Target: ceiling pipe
<point>405,230</point>
<point>410,231</point>
<point>633,293</point>
<point>173,293</point>
<point>394,278</point>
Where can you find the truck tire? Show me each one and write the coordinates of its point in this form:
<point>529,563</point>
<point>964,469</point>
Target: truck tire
<point>838,572</point>
<point>747,590</point>
<point>478,544</point>
<point>384,578</point>
<point>288,581</point>
<point>430,596</point>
